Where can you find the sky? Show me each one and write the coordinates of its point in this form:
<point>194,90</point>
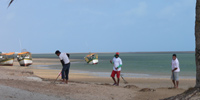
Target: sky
<point>81,26</point>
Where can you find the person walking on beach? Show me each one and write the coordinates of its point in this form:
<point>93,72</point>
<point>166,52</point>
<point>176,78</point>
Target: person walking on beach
<point>117,63</point>
<point>175,71</point>
<point>66,65</point>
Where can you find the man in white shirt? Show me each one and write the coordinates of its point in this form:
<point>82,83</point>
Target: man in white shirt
<point>66,65</point>
<point>175,71</point>
<point>117,62</point>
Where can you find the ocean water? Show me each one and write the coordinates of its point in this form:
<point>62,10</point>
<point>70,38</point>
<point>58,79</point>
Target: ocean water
<point>157,65</point>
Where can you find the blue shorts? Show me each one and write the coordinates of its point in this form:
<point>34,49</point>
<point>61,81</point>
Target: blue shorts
<point>175,76</point>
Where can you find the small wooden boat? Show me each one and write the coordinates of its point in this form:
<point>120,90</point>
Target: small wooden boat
<point>91,58</point>
<point>6,59</point>
<point>24,58</point>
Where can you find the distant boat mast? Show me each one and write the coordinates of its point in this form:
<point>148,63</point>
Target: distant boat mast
<point>20,45</point>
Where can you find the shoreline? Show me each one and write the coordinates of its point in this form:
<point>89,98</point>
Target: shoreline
<point>92,77</point>
<point>56,62</point>
<point>107,74</point>
<point>83,86</point>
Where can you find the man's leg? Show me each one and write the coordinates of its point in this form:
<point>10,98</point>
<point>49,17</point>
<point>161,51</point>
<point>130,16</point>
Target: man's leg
<point>67,73</point>
<point>114,81</point>
<point>176,75</point>
<point>173,79</point>
<point>177,82</point>
<point>174,83</point>
<point>118,81</point>
<point>64,72</point>
<point>113,77</point>
<point>118,77</point>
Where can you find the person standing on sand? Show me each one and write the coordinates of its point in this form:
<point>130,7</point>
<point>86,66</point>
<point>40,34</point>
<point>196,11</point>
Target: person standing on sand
<point>117,62</point>
<point>66,65</point>
<point>175,71</point>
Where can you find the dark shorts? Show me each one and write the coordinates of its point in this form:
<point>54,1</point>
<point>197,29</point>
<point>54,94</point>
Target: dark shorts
<point>115,72</point>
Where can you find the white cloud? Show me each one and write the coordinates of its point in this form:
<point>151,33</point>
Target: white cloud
<point>9,17</point>
<point>169,11</point>
<point>90,11</point>
<point>140,10</point>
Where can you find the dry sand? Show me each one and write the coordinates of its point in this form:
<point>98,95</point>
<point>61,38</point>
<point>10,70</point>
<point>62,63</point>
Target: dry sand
<point>22,83</point>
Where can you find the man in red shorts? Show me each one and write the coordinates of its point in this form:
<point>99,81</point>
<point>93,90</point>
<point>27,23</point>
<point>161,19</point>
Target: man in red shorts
<point>117,62</point>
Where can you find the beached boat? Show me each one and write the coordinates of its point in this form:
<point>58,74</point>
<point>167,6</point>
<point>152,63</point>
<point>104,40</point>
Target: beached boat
<point>91,58</point>
<point>24,58</point>
<point>6,59</point>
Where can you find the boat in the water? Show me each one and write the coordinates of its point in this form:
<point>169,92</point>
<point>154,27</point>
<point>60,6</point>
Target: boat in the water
<point>24,58</point>
<point>92,58</point>
<point>6,59</point>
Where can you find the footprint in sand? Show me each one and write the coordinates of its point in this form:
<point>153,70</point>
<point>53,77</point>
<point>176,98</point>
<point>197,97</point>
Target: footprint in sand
<point>147,90</point>
<point>131,87</point>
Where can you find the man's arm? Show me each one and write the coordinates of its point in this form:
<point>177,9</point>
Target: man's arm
<point>119,66</point>
<point>174,69</point>
<point>111,61</point>
<point>62,62</point>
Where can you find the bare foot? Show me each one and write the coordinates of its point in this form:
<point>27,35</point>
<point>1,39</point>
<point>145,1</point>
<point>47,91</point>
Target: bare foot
<point>114,84</point>
<point>66,81</point>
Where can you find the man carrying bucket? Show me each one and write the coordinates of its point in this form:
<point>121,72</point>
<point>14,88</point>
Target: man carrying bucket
<point>117,62</point>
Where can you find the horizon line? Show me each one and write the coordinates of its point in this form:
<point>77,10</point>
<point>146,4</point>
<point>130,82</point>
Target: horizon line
<point>129,52</point>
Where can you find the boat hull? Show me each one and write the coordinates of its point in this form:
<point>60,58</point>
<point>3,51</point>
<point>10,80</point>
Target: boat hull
<point>94,61</point>
<point>8,62</point>
<point>25,62</point>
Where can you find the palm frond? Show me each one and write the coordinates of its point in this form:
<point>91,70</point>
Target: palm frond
<point>10,2</point>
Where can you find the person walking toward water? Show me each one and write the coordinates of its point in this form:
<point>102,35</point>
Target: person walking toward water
<point>117,63</point>
<point>175,71</point>
<point>66,65</point>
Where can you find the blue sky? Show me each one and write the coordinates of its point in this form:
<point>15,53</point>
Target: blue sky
<point>44,26</point>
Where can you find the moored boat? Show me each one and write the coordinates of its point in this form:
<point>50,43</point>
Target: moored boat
<point>6,59</point>
<point>92,58</point>
<point>24,58</point>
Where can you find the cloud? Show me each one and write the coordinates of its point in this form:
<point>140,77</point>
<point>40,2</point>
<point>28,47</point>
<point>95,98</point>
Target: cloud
<point>130,16</point>
<point>90,11</point>
<point>140,10</point>
<point>175,8</point>
<point>167,12</point>
<point>10,16</point>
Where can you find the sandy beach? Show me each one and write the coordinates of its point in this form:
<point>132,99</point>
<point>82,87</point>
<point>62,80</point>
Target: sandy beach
<point>32,83</point>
